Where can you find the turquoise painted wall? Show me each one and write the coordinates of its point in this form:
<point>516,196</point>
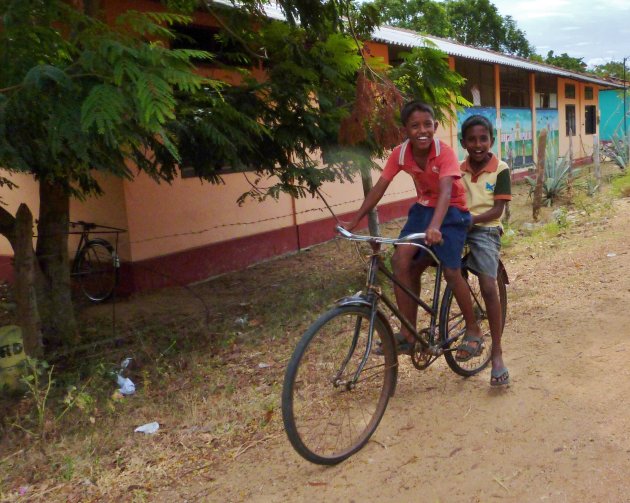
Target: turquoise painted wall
<point>611,110</point>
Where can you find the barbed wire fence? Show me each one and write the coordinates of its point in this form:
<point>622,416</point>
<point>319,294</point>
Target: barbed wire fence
<point>171,278</point>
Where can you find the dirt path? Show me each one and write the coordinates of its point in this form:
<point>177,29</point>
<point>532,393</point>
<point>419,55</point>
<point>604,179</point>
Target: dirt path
<point>558,433</point>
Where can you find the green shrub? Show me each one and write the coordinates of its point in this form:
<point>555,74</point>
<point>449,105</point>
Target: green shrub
<point>556,177</point>
<point>617,150</point>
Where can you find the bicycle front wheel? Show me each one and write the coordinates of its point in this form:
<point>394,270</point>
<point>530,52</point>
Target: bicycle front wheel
<point>97,270</point>
<point>452,326</point>
<point>327,414</point>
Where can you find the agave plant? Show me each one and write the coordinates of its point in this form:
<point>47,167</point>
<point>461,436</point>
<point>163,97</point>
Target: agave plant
<point>617,150</point>
<point>557,171</point>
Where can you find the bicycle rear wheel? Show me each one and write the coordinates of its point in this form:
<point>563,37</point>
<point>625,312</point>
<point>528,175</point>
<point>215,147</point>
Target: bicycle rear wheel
<point>326,415</point>
<point>452,324</point>
<point>97,270</point>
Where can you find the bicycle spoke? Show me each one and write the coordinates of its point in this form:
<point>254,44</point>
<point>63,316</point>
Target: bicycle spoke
<point>330,415</point>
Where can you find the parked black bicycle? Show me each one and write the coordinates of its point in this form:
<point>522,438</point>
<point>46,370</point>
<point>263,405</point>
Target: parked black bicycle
<point>96,264</point>
<point>336,386</point>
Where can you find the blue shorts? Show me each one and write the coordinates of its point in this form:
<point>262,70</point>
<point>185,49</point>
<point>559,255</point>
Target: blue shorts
<point>454,229</point>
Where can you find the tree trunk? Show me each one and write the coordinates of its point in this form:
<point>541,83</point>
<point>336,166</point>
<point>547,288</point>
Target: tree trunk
<point>58,320</point>
<point>25,274</point>
<point>366,180</point>
<point>540,174</point>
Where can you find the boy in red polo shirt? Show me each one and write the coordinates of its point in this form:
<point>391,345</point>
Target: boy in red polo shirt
<point>488,188</point>
<point>440,212</point>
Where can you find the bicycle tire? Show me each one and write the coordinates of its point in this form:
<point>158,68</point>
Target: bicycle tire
<point>97,270</point>
<point>452,322</point>
<point>318,413</point>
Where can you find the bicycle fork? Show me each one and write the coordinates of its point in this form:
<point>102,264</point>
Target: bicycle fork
<point>351,383</point>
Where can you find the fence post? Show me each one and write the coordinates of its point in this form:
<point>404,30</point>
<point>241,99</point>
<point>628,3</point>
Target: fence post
<point>598,168</point>
<point>366,180</point>
<point>570,177</point>
<point>540,174</point>
<point>25,296</point>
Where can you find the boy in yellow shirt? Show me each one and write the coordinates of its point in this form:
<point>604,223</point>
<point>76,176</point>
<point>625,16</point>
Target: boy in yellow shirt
<point>488,188</point>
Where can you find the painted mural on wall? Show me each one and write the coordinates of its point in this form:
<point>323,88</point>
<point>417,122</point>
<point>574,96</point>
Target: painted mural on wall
<point>517,146</point>
<point>490,113</point>
<point>548,119</point>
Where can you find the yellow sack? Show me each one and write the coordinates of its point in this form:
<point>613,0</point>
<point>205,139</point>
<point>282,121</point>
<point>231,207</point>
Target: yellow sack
<point>12,357</point>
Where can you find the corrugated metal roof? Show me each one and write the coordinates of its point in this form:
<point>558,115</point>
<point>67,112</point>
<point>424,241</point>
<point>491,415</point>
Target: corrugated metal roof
<point>408,38</point>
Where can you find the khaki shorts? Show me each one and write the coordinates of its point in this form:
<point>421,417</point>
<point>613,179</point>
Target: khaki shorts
<point>485,246</point>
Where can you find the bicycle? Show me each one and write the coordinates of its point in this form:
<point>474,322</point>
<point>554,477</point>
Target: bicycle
<point>336,389</point>
<point>96,263</point>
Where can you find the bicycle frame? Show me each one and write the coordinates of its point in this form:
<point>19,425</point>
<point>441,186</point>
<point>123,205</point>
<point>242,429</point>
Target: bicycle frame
<point>374,294</point>
<point>86,228</point>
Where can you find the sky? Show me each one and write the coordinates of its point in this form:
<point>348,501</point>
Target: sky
<point>597,31</point>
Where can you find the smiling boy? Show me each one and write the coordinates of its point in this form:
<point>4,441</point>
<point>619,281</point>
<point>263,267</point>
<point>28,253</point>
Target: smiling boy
<point>440,211</point>
<point>488,188</point>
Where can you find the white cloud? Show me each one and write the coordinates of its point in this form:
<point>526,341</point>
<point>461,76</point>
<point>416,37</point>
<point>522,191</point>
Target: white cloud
<point>581,28</point>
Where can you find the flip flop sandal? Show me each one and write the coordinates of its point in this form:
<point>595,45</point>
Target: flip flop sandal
<point>500,377</point>
<point>471,351</point>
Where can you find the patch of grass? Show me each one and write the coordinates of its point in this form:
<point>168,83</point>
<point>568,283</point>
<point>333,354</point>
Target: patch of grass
<point>621,185</point>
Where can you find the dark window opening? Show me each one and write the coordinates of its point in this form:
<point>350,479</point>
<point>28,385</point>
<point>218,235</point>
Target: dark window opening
<point>546,91</point>
<point>514,87</point>
<point>569,91</point>
<point>590,119</point>
<point>570,120</point>
<point>479,85</point>
<point>211,39</point>
<point>588,93</point>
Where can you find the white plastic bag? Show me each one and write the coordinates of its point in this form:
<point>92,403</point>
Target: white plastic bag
<point>149,428</point>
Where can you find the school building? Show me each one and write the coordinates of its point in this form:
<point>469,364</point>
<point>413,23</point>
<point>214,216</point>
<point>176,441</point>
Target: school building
<point>192,230</point>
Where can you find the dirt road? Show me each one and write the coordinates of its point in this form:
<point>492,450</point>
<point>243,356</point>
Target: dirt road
<point>558,433</point>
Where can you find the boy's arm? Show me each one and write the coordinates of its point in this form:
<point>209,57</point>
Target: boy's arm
<point>444,199</point>
<point>493,213</point>
<point>371,200</point>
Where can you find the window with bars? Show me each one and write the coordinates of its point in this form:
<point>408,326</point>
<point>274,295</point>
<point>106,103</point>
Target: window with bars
<point>479,85</point>
<point>590,119</point>
<point>514,87</point>
<point>546,94</point>
<point>570,119</point>
<point>588,93</point>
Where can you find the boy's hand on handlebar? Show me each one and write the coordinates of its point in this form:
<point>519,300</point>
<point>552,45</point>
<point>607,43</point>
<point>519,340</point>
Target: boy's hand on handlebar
<point>433,236</point>
<point>347,225</point>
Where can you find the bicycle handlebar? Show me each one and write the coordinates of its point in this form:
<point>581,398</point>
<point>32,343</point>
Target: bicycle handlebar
<point>91,226</point>
<point>409,239</point>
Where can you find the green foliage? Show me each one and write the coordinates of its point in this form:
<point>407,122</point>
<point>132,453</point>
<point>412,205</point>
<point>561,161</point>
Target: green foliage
<point>565,61</point>
<point>588,185</point>
<point>75,105</point>
<point>556,175</point>
<point>614,69</point>
<point>37,381</point>
<point>618,150</point>
<point>424,75</point>
<point>478,23</point>
<point>424,16</point>
<point>472,22</point>
<point>621,185</point>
